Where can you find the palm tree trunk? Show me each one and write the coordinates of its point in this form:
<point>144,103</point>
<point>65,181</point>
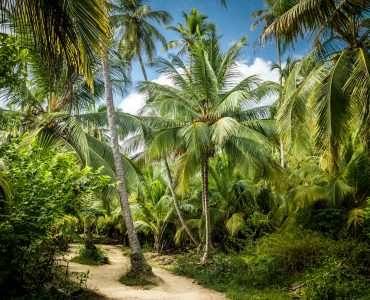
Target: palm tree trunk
<point>138,262</point>
<point>177,206</point>
<point>89,244</point>
<point>142,66</point>
<point>157,242</point>
<point>278,47</point>
<point>208,242</point>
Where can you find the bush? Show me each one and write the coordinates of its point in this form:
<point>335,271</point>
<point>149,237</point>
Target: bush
<point>330,221</point>
<point>323,268</point>
<point>230,274</point>
<point>335,280</point>
<point>45,186</point>
<point>292,251</point>
<point>90,255</point>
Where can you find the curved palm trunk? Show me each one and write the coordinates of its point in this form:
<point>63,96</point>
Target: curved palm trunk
<point>89,243</point>
<point>205,192</point>
<point>138,262</point>
<point>278,46</point>
<point>177,206</point>
<point>142,66</point>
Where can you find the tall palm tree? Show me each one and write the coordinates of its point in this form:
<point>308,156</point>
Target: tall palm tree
<point>338,83</point>
<point>131,19</point>
<point>72,130</point>
<point>138,262</point>
<point>146,154</point>
<point>207,110</point>
<point>196,26</point>
<point>266,17</point>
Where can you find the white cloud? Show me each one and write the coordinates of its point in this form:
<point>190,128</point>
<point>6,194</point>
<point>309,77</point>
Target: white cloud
<point>260,67</point>
<point>132,103</point>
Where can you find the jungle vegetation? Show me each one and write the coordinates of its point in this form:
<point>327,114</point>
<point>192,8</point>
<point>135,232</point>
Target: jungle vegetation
<point>257,201</point>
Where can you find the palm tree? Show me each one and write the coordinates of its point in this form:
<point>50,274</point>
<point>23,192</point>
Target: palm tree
<point>338,83</point>
<point>73,29</point>
<point>311,185</point>
<point>131,19</point>
<point>285,70</point>
<point>206,111</point>
<point>177,205</point>
<point>59,126</point>
<point>196,26</point>
<point>145,154</point>
<point>267,17</point>
<point>152,206</point>
<point>138,262</point>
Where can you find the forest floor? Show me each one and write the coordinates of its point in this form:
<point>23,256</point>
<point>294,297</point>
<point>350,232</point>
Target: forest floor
<point>104,279</point>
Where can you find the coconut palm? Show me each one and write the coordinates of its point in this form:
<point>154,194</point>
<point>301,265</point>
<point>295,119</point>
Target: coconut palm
<point>310,184</point>
<point>144,154</point>
<point>331,18</point>
<point>138,262</point>
<point>206,110</point>
<point>74,29</point>
<point>285,70</point>
<point>339,82</point>
<point>152,207</point>
<point>196,26</point>
<point>239,193</point>
<point>131,19</point>
<point>266,17</point>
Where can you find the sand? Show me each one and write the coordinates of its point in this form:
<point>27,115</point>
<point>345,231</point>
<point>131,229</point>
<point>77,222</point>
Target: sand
<point>104,280</point>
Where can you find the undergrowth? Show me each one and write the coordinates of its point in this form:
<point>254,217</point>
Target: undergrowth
<point>90,256</point>
<point>289,265</point>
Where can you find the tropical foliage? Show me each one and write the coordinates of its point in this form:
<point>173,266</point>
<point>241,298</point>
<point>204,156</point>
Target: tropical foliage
<point>259,201</point>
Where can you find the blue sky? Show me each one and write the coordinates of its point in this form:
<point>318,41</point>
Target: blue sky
<point>232,24</point>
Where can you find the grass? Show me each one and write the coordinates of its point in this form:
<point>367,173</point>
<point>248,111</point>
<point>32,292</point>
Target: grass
<point>90,256</point>
<point>139,279</point>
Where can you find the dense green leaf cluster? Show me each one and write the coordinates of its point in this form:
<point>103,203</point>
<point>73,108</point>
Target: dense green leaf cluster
<point>12,62</point>
<point>45,186</point>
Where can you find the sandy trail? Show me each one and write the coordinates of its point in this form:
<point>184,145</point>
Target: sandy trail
<point>104,279</point>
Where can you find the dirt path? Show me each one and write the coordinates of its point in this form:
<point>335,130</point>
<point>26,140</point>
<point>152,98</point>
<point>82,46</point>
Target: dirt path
<point>104,279</point>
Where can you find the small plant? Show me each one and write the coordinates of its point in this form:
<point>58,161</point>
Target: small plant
<point>90,256</point>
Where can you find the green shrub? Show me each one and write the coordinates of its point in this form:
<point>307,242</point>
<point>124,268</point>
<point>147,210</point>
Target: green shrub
<point>45,186</point>
<point>330,221</point>
<point>336,280</point>
<point>91,255</point>
<point>292,251</point>
<point>323,268</point>
<point>231,275</point>
<point>256,226</point>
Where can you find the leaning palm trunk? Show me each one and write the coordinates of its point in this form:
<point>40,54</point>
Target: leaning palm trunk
<point>138,262</point>
<point>177,206</point>
<point>278,48</point>
<point>142,67</point>
<point>208,242</point>
<point>89,244</point>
